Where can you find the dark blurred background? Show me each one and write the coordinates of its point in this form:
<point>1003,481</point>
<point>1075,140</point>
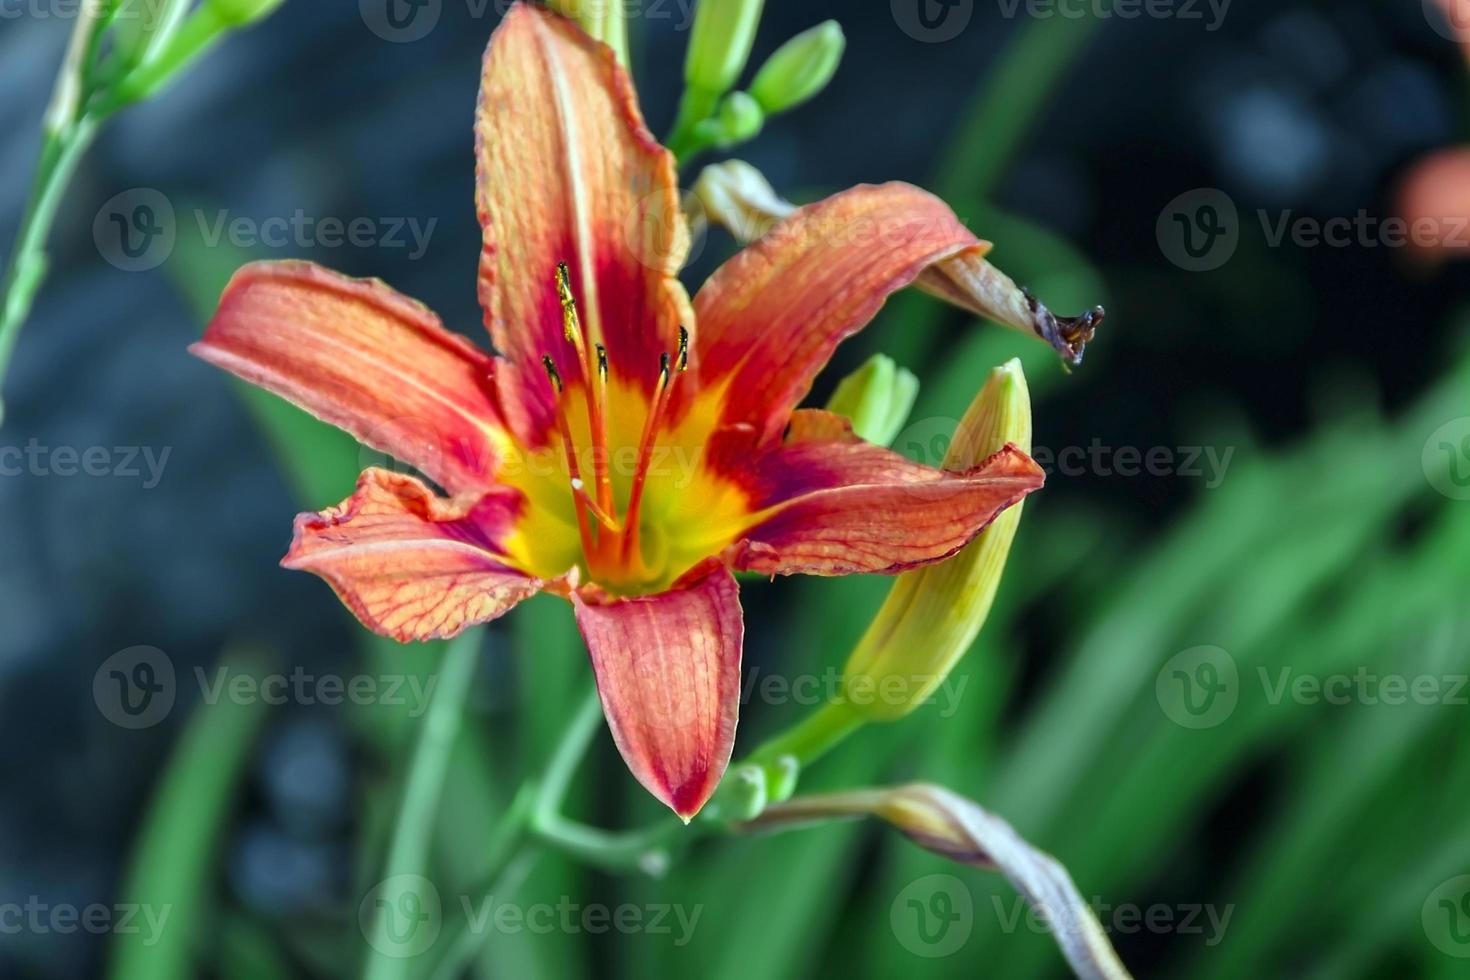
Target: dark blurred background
<point>1302,516</point>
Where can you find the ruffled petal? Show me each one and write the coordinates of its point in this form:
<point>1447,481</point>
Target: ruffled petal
<point>831,504</point>
<point>568,172</point>
<point>771,316</point>
<point>367,359</point>
<point>412,565</point>
<point>668,673</point>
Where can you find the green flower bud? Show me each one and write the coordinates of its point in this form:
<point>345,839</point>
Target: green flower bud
<point>877,398</point>
<point>237,13</point>
<point>799,69</point>
<point>933,614</point>
<point>720,42</point>
<point>740,119</point>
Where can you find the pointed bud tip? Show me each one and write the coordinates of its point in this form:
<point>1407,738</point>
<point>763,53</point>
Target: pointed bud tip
<point>800,68</point>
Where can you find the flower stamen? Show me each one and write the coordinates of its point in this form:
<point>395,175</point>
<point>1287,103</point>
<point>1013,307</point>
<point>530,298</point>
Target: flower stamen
<point>596,390</point>
<point>583,527</point>
<point>645,442</point>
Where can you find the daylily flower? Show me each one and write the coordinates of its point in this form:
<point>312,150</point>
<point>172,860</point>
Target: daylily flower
<point>622,450</point>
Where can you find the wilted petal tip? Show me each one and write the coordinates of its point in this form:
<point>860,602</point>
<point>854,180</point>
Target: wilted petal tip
<point>1070,335</point>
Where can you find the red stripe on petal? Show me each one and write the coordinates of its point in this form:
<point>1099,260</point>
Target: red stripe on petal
<point>365,358</point>
<point>409,564</point>
<point>668,673</point>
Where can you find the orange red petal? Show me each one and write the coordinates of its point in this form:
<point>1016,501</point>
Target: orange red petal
<point>568,172</point>
<point>358,354</point>
<point>412,565</point>
<point>836,505</point>
<point>770,318</point>
<point>668,673</point>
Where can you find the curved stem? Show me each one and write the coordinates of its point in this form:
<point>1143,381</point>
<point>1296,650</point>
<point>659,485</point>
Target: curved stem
<point>61,151</point>
<point>408,851</point>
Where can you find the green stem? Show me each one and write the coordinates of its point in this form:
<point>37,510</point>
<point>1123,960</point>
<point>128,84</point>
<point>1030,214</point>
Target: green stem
<point>639,850</point>
<point>811,738</point>
<point>60,153</point>
<point>408,850</point>
<point>695,106</point>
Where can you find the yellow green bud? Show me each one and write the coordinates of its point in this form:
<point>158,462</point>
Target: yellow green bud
<point>720,43</point>
<point>800,68</point>
<point>933,614</point>
<point>876,398</point>
<point>740,119</point>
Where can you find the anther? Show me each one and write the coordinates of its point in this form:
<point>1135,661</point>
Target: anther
<point>550,366</point>
<point>571,326</point>
<point>601,362</point>
<point>683,349</point>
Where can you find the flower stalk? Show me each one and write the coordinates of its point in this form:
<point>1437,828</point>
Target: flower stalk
<point>85,96</point>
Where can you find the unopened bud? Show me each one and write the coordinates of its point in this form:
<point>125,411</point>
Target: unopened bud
<point>876,398</point>
<point>720,42</point>
<point>933,614</point>
<point>800,68</point>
